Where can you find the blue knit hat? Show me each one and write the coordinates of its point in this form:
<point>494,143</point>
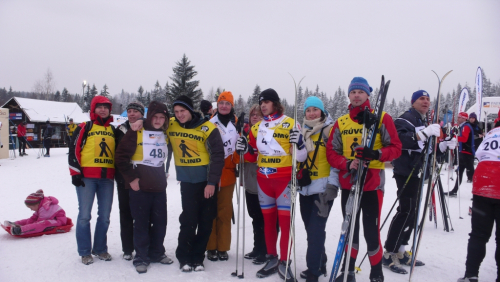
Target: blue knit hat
<point>473,115</point>
<point>419,94</point>
<point>313,101</point>
<point>361,84</point>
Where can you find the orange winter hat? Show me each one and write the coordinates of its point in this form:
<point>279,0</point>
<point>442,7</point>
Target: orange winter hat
<point>226,96</point>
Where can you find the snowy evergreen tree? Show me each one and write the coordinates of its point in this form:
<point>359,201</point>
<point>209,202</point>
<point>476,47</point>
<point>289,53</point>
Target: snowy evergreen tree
<point>57,96</point>
<point>254,98</point>
<point>65,97</point>
<point>105,92</point>
<point>182,83</point>
<point>239,106</point>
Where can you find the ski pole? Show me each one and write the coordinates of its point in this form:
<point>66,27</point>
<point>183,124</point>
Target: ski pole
<point>459,183</point>
<point>393,205</point>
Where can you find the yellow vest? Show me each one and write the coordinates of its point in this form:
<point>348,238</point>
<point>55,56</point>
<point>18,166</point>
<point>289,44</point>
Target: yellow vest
<point>99,149</point>
<point>321,167</point>
<point>188,145</point>
<point>351,133</point>
<point>71,129</point>
<point>282,135</point>
<point>138,155</point>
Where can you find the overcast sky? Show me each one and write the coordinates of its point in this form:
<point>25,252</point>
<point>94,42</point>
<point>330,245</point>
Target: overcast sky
<point>238,44</point>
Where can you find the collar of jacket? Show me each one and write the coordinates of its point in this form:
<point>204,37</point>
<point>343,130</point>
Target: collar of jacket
<point>353,111</point>
<point>273,116</point>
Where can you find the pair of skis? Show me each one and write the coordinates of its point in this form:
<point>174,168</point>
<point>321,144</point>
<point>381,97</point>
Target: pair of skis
<point>352,207</point>
<point>418,231</point>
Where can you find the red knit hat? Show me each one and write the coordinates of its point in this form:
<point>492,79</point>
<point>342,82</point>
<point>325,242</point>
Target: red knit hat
<point>464,115</point>
<point>34,198</point>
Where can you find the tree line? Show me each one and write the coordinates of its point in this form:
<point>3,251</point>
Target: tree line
<point>183,83</point>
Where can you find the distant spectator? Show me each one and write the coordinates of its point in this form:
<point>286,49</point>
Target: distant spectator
<point>21,138</point>
<point>47,138</point>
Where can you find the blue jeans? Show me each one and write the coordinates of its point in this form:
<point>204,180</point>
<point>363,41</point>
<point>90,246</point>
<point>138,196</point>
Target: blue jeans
<point>103,188</point>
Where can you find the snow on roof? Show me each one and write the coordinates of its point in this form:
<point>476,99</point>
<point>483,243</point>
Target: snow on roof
<point>42,110</point>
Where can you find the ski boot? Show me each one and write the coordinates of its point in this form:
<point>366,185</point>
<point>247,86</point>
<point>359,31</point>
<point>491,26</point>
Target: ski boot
<point>391,261</point>
<point>212,255</point>
<point>270,268</point>
<point>284,274</point>
<point>468,279</point>
<point>222,255</point>
<point>405,258</point>
<point>350,277</point>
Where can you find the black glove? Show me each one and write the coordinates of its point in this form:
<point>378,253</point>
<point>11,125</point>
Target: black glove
<point>242,145</point>
<point>77,180</point>
<point>367,154</point>
<point>368,121</point>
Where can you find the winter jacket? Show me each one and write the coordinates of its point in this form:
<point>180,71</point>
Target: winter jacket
<point>48,132</point>
<point>485,182</point>
<point>120,131</point>
<point>411,156</point>
<point>151,179</point>
<point>79,141</point>
<point>71,129</point>
<point>319,185</point>
<point>390,150</point>
<point>21,131</point>
<point>228,176</point>
<point>48,209</point>
<point>213,144</point>
<point>466,139</point>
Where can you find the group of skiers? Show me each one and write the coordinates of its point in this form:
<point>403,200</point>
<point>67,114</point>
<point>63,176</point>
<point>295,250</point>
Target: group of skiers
<point>207,148</point>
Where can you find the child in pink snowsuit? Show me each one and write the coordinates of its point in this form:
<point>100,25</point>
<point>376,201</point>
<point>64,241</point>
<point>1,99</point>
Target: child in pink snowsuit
<point>47,214</point>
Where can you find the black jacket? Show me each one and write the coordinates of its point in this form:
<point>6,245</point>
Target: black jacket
<point>410,157</point>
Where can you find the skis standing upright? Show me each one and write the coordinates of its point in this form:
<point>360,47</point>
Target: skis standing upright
<point>293,187</point>
<point>433,144</point>
<point>359,176</point>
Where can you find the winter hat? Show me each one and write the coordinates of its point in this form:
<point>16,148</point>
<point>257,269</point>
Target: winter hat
<point>205,106</point>
<point>155,107</point>
<point>416,95</point>
<point>473,115</point>
<point>269,95</point>
<point>226,96</point>
<point>70,119</point>
<point>313,101</point>
<point>463,115</point>
<point>185,102</point>
<point>47,122</point>
<point>361,84</point>
<point>34,198</point>
<point>138,106</point>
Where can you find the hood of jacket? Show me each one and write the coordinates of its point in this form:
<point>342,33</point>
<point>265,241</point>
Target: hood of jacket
<point>100,100</point>
<point>155,108</point>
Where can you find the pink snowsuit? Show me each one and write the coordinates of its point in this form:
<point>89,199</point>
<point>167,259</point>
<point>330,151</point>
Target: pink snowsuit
<point>49,214</point>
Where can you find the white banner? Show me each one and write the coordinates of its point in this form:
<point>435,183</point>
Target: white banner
<point>479,92</point>
<point>464,98</point>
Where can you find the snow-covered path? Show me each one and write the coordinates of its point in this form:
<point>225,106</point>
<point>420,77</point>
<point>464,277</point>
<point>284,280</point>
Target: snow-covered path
<point>55,258</point>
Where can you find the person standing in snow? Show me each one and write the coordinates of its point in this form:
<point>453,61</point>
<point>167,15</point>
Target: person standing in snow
<point>47,138</point>
<point>92,168</point>
<point>259,251</point>
<point>21,138</point>
<point>199,160</point>
<point>387,147</point>
<point>270,144</point>
<point>225,121</point>
<point>485,205</point>
<point>47,214</point>
<point>71,127</point>
<point>413,131</point>
<point>316,199</point>
<point>135,111</point>
<point>478,131</point>
<point>140,157</point>
<point>466,151</point>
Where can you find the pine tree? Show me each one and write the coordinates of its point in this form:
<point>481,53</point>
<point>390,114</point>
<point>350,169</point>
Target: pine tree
<point>105,92</point>
<point>239,106</point>
<point>182,84</point>
<point>87,99</point>
<point>57,96</point>
<point>157,94</point>
<point>254,98</point>
<point>65,97</point>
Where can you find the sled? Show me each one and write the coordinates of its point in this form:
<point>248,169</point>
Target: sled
<point>47,231</point>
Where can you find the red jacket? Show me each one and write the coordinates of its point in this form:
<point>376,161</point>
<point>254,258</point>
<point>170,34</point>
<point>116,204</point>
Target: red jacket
<point>80,137</point>
<point>391,150</point>
<point>21,130</point>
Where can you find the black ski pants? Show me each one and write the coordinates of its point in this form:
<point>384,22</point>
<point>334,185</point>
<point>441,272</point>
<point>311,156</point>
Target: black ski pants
<point>47,143</point>
<point>126,220</point>
<point>149,210</point>
<point>196,219</point>
<point>22,144</point>
<point>403,222</point>
<point>315,228</point>
<point>371,206</point>
<point>254,211</point>
<point>466,161</point>
<point>485,212</point>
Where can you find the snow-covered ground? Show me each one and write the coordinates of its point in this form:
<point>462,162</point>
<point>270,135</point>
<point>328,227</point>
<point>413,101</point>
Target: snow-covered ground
<point>55,257</point>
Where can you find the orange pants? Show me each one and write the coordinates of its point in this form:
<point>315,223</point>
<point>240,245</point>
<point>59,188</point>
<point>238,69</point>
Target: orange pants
<point>220,239</point>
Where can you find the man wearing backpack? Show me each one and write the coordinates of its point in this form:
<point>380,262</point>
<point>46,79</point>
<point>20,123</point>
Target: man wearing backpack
<point>92,167</point>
